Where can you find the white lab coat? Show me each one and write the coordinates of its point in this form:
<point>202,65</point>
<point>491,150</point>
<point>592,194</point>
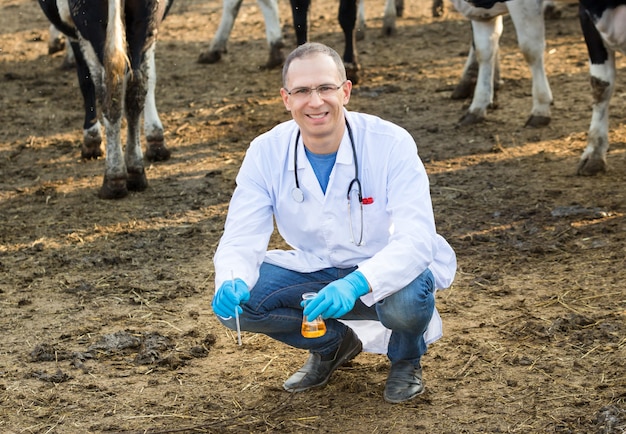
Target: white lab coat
<point>400,239</point>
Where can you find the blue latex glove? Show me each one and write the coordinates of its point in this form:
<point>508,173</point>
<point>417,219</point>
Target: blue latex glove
<point>337,298</point>
<point>228,298</point>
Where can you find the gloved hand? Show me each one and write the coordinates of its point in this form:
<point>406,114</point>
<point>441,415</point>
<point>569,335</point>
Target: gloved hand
<point>228,298</point>
<point>337,298</point>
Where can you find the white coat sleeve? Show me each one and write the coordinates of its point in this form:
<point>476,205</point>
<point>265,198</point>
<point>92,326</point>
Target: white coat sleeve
<point>249,225</point>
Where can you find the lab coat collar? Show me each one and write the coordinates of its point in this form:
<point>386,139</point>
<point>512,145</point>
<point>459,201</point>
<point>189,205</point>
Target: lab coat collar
<point>344,153</point>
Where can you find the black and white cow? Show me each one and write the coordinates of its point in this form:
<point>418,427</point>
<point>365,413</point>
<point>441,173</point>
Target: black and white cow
<point>300,11</point>
<point>113,42</point>
<point>392,10</point>
<point>273,33</point>
<point>603,24</point>
<point>481,68</point>
<point>347,21</point>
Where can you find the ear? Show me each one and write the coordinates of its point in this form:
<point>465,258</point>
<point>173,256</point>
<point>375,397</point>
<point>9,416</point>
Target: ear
<point>285,97</point>
<point>347,91</point>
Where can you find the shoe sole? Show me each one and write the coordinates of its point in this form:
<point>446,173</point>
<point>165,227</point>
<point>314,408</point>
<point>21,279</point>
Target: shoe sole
<point>400,401</point>
<point>349,356</point>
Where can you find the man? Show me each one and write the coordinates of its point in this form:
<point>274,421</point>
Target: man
<point>349,193</point>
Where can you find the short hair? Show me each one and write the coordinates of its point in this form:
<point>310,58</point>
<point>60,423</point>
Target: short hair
<point>310,49</point>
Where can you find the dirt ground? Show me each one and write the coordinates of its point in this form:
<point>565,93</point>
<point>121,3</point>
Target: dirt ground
<point>105,313</point>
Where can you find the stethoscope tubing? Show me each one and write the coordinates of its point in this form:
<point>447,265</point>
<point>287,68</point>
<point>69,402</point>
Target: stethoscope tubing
<point>297,193</point>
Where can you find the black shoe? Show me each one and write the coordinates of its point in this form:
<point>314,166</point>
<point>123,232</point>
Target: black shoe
<point>404,382</point>
<point>317,369</point>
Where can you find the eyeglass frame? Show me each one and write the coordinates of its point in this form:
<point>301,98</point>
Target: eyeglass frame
<point>310,90</point>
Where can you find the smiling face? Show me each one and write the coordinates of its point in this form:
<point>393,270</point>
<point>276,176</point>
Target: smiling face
<point>320,118</point>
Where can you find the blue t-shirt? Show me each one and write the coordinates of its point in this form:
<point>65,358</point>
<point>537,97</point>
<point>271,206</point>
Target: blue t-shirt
<point>322,166</point>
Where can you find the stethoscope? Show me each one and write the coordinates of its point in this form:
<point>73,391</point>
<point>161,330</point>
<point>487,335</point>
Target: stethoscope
<point>298,195</point>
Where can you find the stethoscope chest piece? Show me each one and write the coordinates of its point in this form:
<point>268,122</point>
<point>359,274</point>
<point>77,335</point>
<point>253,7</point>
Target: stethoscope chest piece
<point>297,195</point>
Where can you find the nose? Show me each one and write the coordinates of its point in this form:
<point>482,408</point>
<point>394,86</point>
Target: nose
<point>315,94</point>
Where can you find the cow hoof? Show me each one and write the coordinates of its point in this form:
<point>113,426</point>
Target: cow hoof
<point>537,121</point>
<point>208,57</point>
<point>91,145</point>
<point>590,167</point>
<point>352,72</point>
<point>389,30</point>
<point>137,180</point>
<point>277,58</point>
<point>470,119</point>
<point>438,10</point>
<point>157,152</point>
<point>550,12</point>
<point>463,90</point>
<point>56,45</point>
<point>113,188</point>
<point>91,152</point>
<point>360,33</point>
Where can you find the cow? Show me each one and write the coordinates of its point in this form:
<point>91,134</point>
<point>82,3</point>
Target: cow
<point>481,68</point>
<point>113,42</point>
<point>393,9</point>
<point>603,23</point>
<point>300,11</point>
<point>348,10</point>
<point>347,16</point>
<point>273,33</point>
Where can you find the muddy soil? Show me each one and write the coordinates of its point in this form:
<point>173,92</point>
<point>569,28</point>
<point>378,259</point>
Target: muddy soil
<point>105,311</point>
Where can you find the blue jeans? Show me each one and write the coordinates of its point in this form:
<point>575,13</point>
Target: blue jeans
<point>274,310</point>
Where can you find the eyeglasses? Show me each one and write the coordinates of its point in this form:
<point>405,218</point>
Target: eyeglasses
<point>323,90</point>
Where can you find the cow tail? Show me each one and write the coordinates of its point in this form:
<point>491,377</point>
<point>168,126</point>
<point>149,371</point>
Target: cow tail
<point>115,46</point>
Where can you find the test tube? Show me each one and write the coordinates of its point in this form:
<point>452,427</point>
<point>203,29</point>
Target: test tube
<point>315,328</point>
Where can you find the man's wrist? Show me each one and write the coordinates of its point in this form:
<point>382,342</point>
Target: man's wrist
<point>359,282</point>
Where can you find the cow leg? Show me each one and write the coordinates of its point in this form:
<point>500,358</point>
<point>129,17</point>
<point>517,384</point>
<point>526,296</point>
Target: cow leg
<point>486,36</point>
<point>153,128</point>
<point>115,174</point>
<point>529,26</point>
<point>347,21</point>
<point>69,61</point>
<point>389,18</point>
<point>550,10</point>
<point>114,184</point>
<point>399,4</point>
<point>438,8</point>
<point>360,21</point>
<point>230,9</point>
<point>135,98</point>
<point>92,130</point>
<point>300,13</point>
<point>56,42</point>
<point>393,9</point>
<point>273,33</point>
<point>59,42</point>
<point>107,70</point>
<point>465,88</point>
<point>602,72</point>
